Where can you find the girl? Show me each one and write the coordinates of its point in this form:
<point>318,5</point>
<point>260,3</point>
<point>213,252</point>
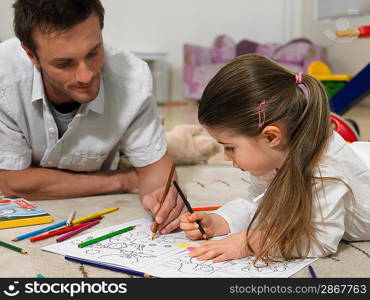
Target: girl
<point>312,187</point>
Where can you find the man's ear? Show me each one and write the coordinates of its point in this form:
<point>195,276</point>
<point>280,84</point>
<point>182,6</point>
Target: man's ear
<point>31,55</point>
<point>272,135</point>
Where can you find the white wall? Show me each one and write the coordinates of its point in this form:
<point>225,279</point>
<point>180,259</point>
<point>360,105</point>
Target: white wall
<point>165,25</point>
<point>345,55</point>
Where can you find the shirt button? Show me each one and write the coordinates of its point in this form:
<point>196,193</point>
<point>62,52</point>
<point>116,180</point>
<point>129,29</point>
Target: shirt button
<point>158,147</point>
<point>50,162</point>
<point>51,130</point>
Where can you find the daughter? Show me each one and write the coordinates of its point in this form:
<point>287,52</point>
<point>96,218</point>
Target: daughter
<point>311,188</point>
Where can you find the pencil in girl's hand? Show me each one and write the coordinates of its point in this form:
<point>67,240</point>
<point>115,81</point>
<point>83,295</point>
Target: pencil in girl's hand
<point>362,31</point>
<point>11,247</point>
<point>166,190</point>
<point>187,204</point>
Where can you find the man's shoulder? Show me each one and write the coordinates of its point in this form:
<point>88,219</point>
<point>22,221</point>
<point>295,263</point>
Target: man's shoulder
<point>125,63</point>
<point>15,65</point>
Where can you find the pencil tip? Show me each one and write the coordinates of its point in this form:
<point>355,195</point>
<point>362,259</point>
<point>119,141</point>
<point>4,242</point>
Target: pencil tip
<point>205,236</point>
<point>153,235</point>
<point>15,239</point>
<point>24,252</point>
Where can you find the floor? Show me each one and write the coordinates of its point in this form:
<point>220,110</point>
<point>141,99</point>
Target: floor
<point>176,113</point>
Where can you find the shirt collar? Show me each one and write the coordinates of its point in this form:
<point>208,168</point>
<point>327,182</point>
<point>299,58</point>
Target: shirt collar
<point>97,104</point>
<point>38,93</point>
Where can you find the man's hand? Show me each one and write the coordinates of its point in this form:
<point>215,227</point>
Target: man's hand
<point>167,216</point>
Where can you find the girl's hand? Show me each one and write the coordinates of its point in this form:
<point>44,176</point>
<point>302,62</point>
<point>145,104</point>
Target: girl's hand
<point>232,247</point>
<point>191,228</point>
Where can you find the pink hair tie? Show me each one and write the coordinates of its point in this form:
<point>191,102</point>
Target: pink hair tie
<point>261,109</point>
<point>298,78</point>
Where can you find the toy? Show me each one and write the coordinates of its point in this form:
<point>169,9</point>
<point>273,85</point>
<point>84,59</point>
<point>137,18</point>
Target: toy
<point>190,145</point>
<point>186,145</point>
<point>362,31</point>
<point>346,128</point>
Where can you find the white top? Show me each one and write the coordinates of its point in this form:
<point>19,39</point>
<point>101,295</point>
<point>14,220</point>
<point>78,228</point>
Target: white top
<point>346,217</point>
<point>123,116</point>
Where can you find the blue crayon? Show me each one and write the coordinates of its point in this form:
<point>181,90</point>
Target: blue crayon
<point>108,267</point>
<point>36,232</point>
<point>312,272</point>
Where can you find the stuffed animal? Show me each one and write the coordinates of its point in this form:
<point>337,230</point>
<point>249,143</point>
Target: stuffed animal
<point>186,145</point>
<point>190,145</point>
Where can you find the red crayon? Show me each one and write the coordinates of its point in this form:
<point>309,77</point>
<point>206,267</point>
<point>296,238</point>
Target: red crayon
<point>56,232</point>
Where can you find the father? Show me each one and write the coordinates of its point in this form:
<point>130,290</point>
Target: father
<point>68,104</point>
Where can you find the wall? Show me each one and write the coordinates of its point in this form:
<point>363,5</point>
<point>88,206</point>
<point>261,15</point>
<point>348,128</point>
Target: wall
<point>165,25</point>
<point>345,55</point>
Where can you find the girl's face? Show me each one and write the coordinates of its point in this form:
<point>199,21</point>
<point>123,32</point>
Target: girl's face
<point>257,155</point>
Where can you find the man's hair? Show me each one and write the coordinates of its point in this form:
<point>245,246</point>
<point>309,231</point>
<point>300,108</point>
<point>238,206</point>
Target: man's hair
<point>50,16</point>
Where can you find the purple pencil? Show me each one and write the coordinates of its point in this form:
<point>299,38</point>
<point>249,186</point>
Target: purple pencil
<point>78,230</point>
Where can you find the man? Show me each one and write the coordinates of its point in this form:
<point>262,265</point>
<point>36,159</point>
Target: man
<point>68,104</point>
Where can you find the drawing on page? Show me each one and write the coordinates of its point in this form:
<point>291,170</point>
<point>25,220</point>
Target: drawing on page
<point>133,247</point>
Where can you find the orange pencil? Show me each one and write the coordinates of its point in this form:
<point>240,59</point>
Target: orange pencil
<point>206,208</point>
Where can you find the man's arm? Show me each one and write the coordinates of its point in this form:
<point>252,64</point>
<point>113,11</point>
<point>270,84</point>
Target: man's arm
<point>43,183</point>
<point>152,181</point>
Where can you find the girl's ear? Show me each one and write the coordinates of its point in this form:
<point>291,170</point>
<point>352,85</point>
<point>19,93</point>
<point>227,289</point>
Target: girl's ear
<point>272,135</point>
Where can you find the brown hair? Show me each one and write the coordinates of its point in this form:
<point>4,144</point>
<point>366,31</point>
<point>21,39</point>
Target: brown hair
<point>51,15</point>
<point>230,101</point>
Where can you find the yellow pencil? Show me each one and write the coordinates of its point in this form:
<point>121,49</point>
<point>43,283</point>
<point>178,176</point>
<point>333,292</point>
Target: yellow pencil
<point>76,221</point>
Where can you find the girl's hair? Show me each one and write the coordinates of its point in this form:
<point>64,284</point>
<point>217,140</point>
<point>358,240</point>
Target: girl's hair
<point>232,100</point>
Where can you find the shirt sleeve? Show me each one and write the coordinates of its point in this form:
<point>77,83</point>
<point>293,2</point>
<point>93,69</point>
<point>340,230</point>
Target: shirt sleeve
<point>15,153</point>
<point>238,213</point>
<point>144,142</point>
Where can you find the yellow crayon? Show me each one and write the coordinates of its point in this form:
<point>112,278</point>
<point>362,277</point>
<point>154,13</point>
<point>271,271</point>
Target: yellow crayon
<point>80,220</point>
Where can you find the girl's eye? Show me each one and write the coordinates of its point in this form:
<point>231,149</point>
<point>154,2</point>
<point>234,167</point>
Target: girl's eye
<point>230,149</point>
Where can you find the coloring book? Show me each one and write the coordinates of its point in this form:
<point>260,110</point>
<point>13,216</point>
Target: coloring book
<point>17,212</point>
<point>165,256</point>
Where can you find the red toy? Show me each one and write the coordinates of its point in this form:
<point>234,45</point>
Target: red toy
<point>344,128</point>
<point>362,31</point>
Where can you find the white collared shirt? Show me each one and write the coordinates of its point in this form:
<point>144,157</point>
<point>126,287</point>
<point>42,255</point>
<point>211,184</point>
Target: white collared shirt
<point>346,217</point>
<point>122,117</point>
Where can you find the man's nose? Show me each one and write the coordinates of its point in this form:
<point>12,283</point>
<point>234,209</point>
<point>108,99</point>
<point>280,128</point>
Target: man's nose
<point>83,73</point>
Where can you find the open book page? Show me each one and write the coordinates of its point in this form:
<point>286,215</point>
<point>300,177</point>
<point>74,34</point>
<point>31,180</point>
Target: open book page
<point>165,256</point>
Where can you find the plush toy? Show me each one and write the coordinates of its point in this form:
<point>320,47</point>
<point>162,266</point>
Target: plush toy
<point>186,145</point>
<point>190,145</point>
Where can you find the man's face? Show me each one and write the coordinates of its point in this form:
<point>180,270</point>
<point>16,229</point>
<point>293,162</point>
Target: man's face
<point>70,62</point>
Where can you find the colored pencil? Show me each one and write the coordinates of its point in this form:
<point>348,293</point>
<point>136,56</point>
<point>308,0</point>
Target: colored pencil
<point>106,236</point>
<point>66,226</point>
<point>165,193</point>
<point>11,247</point>
<point>89,217</point>
<point>206,208</point>
<point>56,232</point>
<point>312,272</point>
<point>108,267</point>
<point>78,230</point>
<point>36,232</point>
<point>71,217</point>
<point>187,204</point>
